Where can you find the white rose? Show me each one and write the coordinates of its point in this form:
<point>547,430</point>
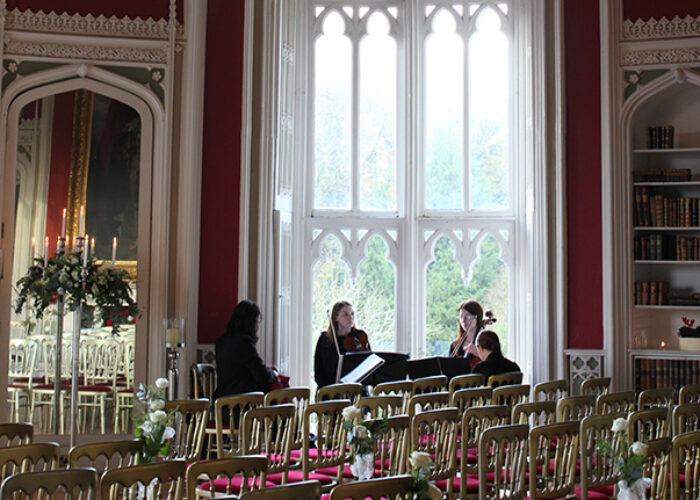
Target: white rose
<point>157,404</point>
<point>352,414</point>
<point>434,492</point>
<point>419,459</point>
<point>162,383</point>
<point>361,432</point>
<point>146,427</point>
<point>619,425</point>
<point>168,433</point>
<point>158,416</point>
<point>639,448</point>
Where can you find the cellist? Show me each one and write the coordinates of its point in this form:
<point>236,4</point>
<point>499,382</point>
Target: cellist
<point>340,337</point>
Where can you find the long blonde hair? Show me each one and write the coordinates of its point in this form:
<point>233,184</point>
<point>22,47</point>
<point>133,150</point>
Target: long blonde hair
<point>333,324</point>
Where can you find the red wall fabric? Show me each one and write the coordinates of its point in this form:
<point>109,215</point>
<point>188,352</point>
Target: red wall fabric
<point>644,9</point>
<point>583,174</point>
<point>133,8</point>
<point>61,144</point>
<point>221,165</point>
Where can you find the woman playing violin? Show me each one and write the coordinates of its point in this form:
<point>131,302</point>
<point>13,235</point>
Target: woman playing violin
<point>471,318</point>
<point>341,336</point>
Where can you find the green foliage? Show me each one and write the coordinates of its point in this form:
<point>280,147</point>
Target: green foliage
<point>153,426</point>
<point>489,181</point>
<point>444,166</point>
<point>365,445</point>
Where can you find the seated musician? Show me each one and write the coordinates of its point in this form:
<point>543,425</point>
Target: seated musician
<point>471,316</point>
<point>493,362</point>
<point>340,337</point>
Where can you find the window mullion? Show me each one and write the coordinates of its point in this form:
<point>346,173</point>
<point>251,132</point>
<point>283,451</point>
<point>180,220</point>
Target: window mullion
<point>466,158</point>
<point>355,132</point>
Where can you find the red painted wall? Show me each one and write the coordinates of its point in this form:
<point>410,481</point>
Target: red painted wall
<point>644,9</point>
<point>583,172</point>
<point>218,279</point>
<point>61,144</point>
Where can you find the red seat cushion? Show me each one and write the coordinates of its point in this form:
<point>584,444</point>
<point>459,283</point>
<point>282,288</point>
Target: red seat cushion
<point>472,484</point>
<point>600,493</point>
<point>297,476</point>
<point>124,391</point>
<point>333,471</point>
<point>94,388</point>
<point>221,483</point>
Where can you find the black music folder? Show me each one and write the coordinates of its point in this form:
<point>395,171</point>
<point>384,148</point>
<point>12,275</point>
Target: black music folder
<point>393,368</point>
<point>437,365</point>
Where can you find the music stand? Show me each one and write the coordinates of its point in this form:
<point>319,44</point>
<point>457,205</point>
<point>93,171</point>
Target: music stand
<point>394,367</point>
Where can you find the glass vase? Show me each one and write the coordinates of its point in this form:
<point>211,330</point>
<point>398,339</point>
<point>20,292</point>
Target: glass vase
<point>362,466</point>
<point>636,491</point>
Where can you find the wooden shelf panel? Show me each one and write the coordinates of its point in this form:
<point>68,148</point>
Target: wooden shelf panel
<point>668,262</point>
<point>667,228</point>
<point>669,307</point>
<point>668,184</point>
<point>667,150</point>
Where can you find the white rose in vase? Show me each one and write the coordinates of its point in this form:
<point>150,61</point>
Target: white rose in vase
<point>619,425</point>
<point>162,383</point>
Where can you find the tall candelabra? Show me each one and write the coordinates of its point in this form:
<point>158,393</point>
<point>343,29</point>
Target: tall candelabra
<point>174,329</point>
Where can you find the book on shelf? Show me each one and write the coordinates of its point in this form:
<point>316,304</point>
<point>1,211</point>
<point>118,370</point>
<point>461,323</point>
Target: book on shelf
<point>652,373</point>
<point>661,137</point>
<point>657,210</point>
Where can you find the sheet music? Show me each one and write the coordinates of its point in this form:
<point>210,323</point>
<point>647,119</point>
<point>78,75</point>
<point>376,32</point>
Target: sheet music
<point>363,370</point>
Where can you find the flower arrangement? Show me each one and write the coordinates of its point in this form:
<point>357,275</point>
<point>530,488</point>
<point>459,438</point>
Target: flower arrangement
<point>628,463</point>
<point>108,287</point>
<point>154,429</point>
<point>421,468</point>
<point>361,432</point>
<point>688,330</point>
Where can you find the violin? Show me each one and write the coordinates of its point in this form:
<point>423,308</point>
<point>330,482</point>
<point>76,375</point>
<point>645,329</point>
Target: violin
<point>489,318</point>
<point>356,341</point>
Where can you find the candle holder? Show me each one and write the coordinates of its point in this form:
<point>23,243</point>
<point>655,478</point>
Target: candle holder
<point>174,336</point>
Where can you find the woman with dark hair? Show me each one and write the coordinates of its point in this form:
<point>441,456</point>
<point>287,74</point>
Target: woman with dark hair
<point>492,361</point>
<point>340,337</point>
<point>239,367</point>
<point>470,319</point>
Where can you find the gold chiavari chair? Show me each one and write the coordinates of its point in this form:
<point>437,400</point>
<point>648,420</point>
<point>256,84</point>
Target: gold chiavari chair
<point>391,447</point>
<point>305,490</point>
<point>20,373</point>
<point>688,394</point>
<point>300,398</point>
<point>124,396</point>
<point>658,467</point>
<point>615,403</point>
<point>686,418</point>
<point>654,398</point>
<point>510,395</point>
<point>162,480</point>
<point>16,433</point>
<point>189,424</point>
<point>435,432</point>
<point>466,398</point>
<point>104,455</point>
<point>508,378</point>
<point>228,412</point>
<point>72,483</point>
<point>268,430</point>
<point>503,452</point>
<point>595,386</point>
<point>598,474</point>
<point>203,382</point>
<point>391,488</point>
<point>644,425</point>
<point>575,408</point>
<point>551,390</point>
<point>33,457</point>
<point>466,382</point>
<point>381,406</point>
<point>427,401</point>
<point>552,459</point>
<point>474,421</point>
<point>339,391</point>
<point>425,385</point>
<point>537,413</point>
<point>685,464</point>
<point>402,388</point>
<point>226,476</point>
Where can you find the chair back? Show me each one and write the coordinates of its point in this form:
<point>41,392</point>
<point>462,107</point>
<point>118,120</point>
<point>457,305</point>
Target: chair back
<point>391,488</point>
<point>163,480</point>
<point>99,361</point>
<point>424,385</point>
<point>658,467</point>
<point>474,422</point>
<point>537,413</point>
<point>300,397</point>
<point>402,388</point>
<point>435,432</point>
<point>553,455</point>
<point>595,386</point>
<point>615,403</point>
<point>16,433</point>
<point>654,398</point>
<point>71,483</point>
<point>228,411</point>
<point>203,380</point>
<point>391,447</point>
<point>685,462</point>
<point>645,425</point>
<point>551,390</point>
<point>502,463</point>
<point>466,382</point>
<point>689,393</point>
<point>189,424</point>
<point>686,418</point>
<point>427,401</point>
<point>331,438</point>
<point>22,361</point>
<point>381,406</point>
<point>268,430</point>
<point>575,408</point>
<point>507,378</point>
<point>510,395</point>
<point>466,398</point>
<point>33,457</point>
<point>597,464</point>
<point>339,391</point>
<point>204,479</point>
<point>304,490</point>
<point>104,455</point>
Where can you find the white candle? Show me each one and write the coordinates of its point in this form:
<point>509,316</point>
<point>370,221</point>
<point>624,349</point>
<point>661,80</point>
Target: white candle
<point>63,224</point>
<point>58,244</point>
<point>114,250</point>
<point>85,252</point>
<point>46,251</point>
<point>172,337</point>
<point>32,252</point>
<point>92,247</point>
<point>81,221</point>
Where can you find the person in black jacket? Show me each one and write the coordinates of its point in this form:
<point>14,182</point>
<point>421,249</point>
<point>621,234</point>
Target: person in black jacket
<point>239,367</point>
<point>493,363</point>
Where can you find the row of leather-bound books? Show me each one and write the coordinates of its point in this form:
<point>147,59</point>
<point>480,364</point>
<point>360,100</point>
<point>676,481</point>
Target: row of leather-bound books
<point>657,210</point>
